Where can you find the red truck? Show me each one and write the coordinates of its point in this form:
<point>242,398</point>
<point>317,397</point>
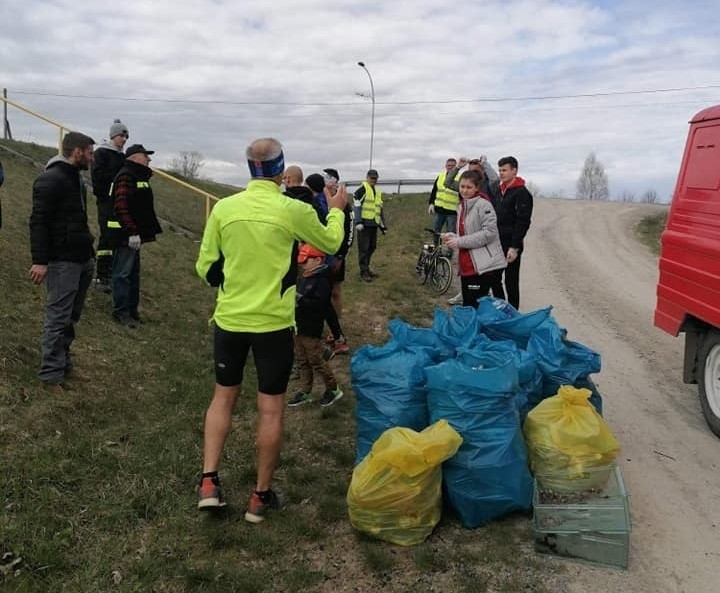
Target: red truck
<point>688,289</point>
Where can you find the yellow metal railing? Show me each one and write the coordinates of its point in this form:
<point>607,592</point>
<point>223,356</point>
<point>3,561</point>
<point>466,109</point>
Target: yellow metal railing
<point>209,198</point>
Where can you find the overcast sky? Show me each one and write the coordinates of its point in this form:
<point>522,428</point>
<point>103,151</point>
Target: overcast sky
<point>211,75</point>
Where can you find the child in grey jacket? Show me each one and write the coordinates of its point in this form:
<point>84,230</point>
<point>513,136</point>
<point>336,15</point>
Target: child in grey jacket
<point>480,259</point>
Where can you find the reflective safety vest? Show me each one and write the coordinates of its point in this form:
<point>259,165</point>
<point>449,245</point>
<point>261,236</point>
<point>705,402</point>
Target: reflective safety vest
<point>140,207</point>
<point>445,197</point>
<point>372,204</point>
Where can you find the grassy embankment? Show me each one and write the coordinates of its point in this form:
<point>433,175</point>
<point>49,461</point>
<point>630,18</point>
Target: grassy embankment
<point>98,483</point>
<point>649,230</point>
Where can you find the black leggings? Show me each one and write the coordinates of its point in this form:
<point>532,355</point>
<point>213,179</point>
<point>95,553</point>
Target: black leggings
<point>331,317</point>
<point>478,286</point>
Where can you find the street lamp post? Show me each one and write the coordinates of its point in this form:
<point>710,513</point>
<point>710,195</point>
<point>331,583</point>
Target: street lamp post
<point>372,118</point>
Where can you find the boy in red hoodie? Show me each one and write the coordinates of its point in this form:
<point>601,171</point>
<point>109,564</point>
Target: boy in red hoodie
<point>513,205</point>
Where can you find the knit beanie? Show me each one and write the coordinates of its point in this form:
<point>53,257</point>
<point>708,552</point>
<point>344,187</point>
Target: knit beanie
<point>315,182</point>
<point>117,128</point>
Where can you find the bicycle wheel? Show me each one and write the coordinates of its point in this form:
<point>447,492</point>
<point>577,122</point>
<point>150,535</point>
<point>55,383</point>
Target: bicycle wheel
<point>421,268</point>
<point>441,275</point>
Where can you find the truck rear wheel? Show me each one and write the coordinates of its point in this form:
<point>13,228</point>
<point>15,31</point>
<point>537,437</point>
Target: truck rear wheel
<point>709,380</point>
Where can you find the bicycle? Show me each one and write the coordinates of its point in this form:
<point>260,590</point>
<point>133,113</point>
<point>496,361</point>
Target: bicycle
<point>432,263</point>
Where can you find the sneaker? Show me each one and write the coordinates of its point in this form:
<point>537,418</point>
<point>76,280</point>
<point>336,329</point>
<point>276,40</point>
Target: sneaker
<point>135,316</point>
<point>366,277</point>
<point>328,353</point>
<point>54,388</point>
<point>341,346</point>
<point>210,495</point>
<point>73,375</point>
<point>331,396</point>
<point>456,300</point>
<point>373,274</point>
<point>301,397</point>
<point>125,320</point>
<point>102,286</point>
<point>260,504</point>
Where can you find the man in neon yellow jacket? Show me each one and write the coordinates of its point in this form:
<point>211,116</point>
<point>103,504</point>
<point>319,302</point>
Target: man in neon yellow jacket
<point>249,252</point>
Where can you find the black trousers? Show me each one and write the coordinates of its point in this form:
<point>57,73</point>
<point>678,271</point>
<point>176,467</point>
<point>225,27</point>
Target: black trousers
<point>512,282</point>
<point>331,318</point>
<point>367,243</point>
<point>104,254</point>
<point>478,286</point>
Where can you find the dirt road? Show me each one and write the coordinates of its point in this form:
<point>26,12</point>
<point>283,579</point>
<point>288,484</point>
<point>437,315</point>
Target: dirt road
<point>582,258</point>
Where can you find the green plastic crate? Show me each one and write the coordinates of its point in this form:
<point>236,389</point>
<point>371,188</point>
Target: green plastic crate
<point>609,549</point>
<point>604,508</point>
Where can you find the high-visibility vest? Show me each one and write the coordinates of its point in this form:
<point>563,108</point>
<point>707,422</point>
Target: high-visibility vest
<point>372,204</point>
<point>445,197</point>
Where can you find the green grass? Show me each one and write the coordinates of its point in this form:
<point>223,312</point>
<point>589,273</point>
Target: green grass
<point>98,488</point>
<point>649,230</point>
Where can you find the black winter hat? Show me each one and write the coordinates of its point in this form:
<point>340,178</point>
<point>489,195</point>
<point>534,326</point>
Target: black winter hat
<point>315,182</point>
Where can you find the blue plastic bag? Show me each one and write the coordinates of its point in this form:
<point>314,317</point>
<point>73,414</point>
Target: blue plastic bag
<point>518,328</point>
<point>562,360</point>
<point>419,337</point>
<point>491,309</point>
<point>389,385</point>
<point>457,328</point>
<point>489,476</point>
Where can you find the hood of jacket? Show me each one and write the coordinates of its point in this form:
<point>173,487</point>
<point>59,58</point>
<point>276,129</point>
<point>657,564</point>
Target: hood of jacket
<point>58,159</point>
<point>300,192</point>
<point>109,146</point>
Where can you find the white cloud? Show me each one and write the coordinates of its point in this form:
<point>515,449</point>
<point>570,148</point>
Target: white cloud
<point>306,52</point>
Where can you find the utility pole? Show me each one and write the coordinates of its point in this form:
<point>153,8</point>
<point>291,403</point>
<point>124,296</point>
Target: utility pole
<point>6,125</point>
<point>372,118</point>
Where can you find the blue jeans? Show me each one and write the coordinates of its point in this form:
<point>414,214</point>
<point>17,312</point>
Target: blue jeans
<point>125,281</point>
<point>447,220</point>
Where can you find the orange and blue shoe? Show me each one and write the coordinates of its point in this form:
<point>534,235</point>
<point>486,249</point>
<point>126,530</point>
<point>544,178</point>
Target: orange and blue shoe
<point>259,505</point>
<point>210,495</point>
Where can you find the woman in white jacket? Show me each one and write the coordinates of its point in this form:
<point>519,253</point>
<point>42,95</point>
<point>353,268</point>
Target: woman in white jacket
<point>481,258</point>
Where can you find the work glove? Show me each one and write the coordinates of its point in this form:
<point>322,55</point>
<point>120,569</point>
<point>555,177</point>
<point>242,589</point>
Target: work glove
<point>359,227</point>
<point>431,209</point>
<point>134,242</point>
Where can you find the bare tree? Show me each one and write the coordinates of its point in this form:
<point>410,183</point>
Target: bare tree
<point>187,165</point>
<point>649,197</point>
<point>593,182</point>
<point>627,196</point>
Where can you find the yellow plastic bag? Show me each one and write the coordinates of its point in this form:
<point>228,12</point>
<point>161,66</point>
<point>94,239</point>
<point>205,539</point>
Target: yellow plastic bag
<point>395,492</point>
<point>568,440</point>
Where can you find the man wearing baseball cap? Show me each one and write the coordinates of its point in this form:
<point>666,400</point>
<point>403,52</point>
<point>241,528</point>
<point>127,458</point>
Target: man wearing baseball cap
<point>132,223</point>
<point>368,218</point>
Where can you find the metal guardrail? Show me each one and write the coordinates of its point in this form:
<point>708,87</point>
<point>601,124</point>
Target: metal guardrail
<point>397,182</point>
<point>62,128</point>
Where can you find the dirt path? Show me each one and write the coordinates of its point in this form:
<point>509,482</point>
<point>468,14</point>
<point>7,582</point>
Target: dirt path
<point>582,258</point>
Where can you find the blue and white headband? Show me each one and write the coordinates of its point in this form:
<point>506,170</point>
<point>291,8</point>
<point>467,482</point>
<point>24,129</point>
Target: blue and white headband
<point>270,168</point>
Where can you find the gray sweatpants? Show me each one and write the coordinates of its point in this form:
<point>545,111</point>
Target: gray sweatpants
<point>67,284</point>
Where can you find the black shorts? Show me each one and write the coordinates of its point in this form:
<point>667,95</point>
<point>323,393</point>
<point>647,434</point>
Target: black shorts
<point>339,275</point>
<point>272,352</point>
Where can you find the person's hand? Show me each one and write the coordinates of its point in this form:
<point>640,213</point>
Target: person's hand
<point>38,273</point>
<point>450,239</point>
<point>134,242</point>
<point>383,229</point>
<point>431,209</point>
<point>359,227</point>
<point>339,200</point>
<point>511,255</point>
<point>462,162</point>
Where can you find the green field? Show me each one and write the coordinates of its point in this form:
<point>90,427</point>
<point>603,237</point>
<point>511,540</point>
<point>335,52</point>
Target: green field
<point>98,488</point>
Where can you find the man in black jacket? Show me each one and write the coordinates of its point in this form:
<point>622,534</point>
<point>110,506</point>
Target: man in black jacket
<point>513,205</point>
<point>107,161</point>
<point>62,253</point>
<point>133,223</point>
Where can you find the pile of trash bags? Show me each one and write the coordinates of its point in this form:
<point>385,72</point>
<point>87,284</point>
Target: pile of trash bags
<point>483,370</point>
